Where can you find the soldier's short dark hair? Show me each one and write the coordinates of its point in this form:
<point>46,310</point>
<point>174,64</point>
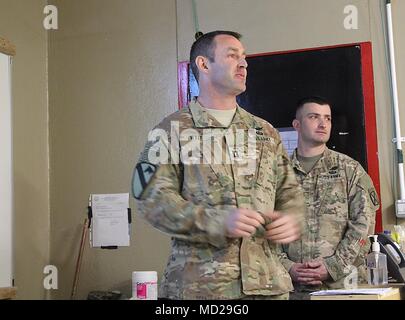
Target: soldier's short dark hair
<point>205,46</point>
<point>311,99</point>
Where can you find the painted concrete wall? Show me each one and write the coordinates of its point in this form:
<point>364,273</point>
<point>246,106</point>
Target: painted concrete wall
<point>112,77</point>
<point>21,23</point>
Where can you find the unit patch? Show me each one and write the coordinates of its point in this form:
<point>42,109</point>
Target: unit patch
<point>143,174</point>
<point>373,196</point>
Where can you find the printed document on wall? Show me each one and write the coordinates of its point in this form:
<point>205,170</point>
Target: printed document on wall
<point>110,226</point>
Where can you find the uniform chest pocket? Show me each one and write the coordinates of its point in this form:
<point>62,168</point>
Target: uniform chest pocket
<point>266,176</point>
<point>331,192</point>
<point>202,185</point>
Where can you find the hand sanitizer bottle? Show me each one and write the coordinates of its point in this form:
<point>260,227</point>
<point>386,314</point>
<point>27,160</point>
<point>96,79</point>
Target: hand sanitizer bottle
<point>377,273</point>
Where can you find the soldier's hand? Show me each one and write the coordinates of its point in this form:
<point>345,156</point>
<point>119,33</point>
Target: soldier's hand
<point>283,228</point>
<point>242,223</point>
<point>319,267</point>
<point>301,273</point>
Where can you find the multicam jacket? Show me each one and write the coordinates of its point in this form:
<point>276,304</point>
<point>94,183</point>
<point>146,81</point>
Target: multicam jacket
<point>341,202</point>
<point>190,202</point>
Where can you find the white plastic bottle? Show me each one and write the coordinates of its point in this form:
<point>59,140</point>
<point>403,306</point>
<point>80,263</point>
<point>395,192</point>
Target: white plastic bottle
<point>377,273</point>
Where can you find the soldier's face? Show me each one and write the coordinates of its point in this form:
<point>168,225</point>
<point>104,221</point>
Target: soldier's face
<point>229,69</point>
<point>314,123</point>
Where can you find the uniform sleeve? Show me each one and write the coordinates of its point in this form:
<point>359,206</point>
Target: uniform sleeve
<point>363,203</point>
<point>283,256</point>
<point>161,204</point>
<point>289,198</point>
<point>289,194</point>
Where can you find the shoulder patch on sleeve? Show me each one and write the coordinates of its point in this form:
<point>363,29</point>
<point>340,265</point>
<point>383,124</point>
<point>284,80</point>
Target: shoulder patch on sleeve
<point>143,174</point>
<point>373,196</point>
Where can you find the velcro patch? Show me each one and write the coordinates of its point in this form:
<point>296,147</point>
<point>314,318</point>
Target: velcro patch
<point>143,174</point>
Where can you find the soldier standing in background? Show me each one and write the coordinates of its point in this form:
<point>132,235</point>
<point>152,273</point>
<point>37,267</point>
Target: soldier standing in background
<point>341,202</point>
<point>227,219</point>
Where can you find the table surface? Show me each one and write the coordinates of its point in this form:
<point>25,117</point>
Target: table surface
<point>396,293</point>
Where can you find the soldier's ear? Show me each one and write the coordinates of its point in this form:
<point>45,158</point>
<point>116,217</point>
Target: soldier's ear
<point>202,64</point>
<point>296,124</point>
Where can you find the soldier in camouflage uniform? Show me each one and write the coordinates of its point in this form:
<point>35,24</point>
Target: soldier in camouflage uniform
<point>341,202</point>
<point>227,220</point>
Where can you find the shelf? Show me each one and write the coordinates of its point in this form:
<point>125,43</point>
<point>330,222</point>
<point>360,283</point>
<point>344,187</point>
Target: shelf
<point>7,47</point>
<point>8,293</point>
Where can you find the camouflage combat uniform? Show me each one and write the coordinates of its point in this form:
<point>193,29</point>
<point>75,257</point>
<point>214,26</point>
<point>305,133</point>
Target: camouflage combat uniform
<point>341,202</point>
<point>190,202</point>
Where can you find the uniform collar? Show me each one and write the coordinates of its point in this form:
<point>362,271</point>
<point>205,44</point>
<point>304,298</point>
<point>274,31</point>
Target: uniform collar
<point>202,119</point>
<point>329,159</point>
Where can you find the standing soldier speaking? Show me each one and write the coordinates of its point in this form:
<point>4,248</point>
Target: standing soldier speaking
<point>218,181</point>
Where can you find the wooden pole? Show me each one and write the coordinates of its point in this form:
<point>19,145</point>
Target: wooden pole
<point>79,258</point>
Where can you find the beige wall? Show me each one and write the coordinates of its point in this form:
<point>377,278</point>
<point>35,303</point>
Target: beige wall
<point>21,23</point>
<point>273,25</point>
<point>112,76</point>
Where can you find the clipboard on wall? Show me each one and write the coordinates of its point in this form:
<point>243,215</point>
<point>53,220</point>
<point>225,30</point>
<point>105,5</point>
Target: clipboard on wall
<point>109,220</point>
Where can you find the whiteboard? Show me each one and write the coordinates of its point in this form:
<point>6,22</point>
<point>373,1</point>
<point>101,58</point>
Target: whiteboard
<point>6,184</point>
